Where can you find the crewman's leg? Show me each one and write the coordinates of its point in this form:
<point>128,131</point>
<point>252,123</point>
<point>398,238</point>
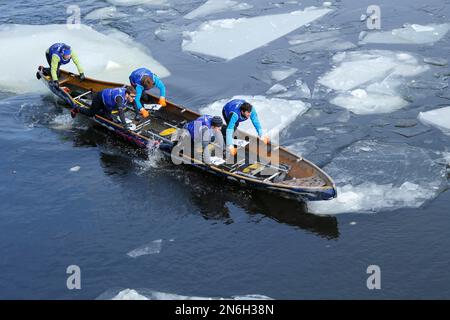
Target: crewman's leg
<point>97,106</point>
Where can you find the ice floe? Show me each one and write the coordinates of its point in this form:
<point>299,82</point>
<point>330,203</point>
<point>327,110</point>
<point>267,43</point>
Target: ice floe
<point>231,38</point>
<point>146,294</point>
<point>299,90</point>
<point>137,2</point>
<point>273,113</point>
<point>439,118</point>
<point>105,13</point>
<point>409,34</point>
<point>373,176</point>
<point>97,53</point>
<point>319,41</point>
<point>75,169</point>
<point>215,6</point>
<point>367,82</point>
<point>153,247</point>
<point>283,73</point>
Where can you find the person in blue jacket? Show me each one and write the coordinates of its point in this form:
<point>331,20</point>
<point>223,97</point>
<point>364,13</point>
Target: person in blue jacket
<point>204,129</point>
<point>142,80</point>
<point>61,54</point>
<point>235,112</point>
<point>113,99</point>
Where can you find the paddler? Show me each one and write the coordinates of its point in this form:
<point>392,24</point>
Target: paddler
<point>235,112</point>
<point>143,80</point>
<point>113,99</point>
<point>199,133</point>
<point>60,54</point>
<point>204,129</point>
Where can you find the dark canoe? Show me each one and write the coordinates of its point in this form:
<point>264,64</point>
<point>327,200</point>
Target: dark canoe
<point>292,177</point>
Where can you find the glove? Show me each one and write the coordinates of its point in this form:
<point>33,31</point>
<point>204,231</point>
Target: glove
<point>233,150</point>
<point>74,112</point>
<point>54,83</point>
<point>266,139</point>
<point>82,77</point>
<point>144,113</point>
<point>162,101</point>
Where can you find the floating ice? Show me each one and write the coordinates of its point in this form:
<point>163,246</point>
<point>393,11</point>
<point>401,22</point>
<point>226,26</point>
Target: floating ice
<point>105,13</point>
<point>439,118</point>
<point>436,61</point>
<point>274,114</point>
<point>151,248</point>
<point>373,176</point>
<point>231,38</point>
<point>137,2</point>
<point>146,294</point>
<point>319,41</point>
<point>215,6</point>
<point>276,88</point>
<point>94,49</point>
<point>368,81</point>
<point>409,34</point>
<point>75,169</point>
<point>284,73</point>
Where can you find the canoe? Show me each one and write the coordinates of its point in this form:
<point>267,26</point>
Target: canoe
<point>292,176</point>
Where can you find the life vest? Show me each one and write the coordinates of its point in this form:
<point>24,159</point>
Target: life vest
<point>57,49</point>
<point>109,97</point>
<point>234,106</point>
<point>194,127</point>
<point>137,75</point>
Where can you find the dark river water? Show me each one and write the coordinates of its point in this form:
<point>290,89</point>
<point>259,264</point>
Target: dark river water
<point>145,224</point>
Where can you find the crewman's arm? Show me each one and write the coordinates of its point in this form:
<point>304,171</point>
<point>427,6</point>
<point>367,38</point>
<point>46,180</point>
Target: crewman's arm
<point>256,123</point>
<point>54,67</point>
<point>160,85</point>
<point>120,108</point>
<point>230,129</point>
<point>77,62</point>
<point>139,90</point>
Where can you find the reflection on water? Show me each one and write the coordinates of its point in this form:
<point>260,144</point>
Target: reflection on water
<point>212,195</point>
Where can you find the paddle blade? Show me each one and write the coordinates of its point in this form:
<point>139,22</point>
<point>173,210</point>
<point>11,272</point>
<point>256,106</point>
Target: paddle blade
<point>167,132</point>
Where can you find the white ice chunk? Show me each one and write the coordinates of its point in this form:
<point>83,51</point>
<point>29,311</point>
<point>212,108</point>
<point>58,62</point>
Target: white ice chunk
<point>274,114</point>
<point>75,169</point>
<point>231,38</point>
<point>439,118</point>
<point>151,248</point>
<point>215,6</point>
<point>276,88</point>
<point>146,294</point>
<point>409,34</point>
<point>95,51</point>
<point>373,176</point>
<point>105,13</point>
<point>137,2</point>
<point>284,73</point>
<point>368,81</point>
<point>319,41</point>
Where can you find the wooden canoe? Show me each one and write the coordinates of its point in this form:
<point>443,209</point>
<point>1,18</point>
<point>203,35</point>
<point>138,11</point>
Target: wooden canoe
<point>292,177</point>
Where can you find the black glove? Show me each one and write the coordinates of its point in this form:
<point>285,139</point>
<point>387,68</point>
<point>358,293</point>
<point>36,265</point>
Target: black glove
<point>54,83</point>
<point>82,77</point>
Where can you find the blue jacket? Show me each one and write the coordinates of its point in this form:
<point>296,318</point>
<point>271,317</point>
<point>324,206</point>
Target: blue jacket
<point>198,127</point>
<point>109,97</point>
<point>136,81</point>
<point>57,49</point>
<point>233,113</point>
